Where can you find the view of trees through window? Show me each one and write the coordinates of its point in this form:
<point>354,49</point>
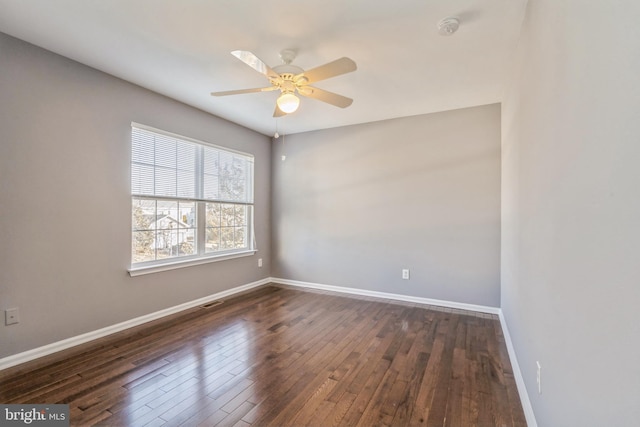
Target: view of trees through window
<point>226,227</point>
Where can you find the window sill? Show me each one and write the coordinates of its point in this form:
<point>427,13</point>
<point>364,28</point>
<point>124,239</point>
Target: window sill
<point>148,269</point>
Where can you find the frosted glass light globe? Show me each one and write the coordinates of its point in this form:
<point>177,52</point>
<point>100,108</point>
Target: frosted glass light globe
<point>288,103</point>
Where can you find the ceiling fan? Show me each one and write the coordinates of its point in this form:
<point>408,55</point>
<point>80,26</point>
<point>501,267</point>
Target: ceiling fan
<point>290,79</point>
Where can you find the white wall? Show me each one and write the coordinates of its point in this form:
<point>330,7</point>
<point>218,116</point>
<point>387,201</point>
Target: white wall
<point>571,206</point>
<point>355,205</point>
<point>65,199</point>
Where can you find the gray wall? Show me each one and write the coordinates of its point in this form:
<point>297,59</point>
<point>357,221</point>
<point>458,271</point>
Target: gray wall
<point>355,205</point>
<point>571,211</point>
<point>65,199</point>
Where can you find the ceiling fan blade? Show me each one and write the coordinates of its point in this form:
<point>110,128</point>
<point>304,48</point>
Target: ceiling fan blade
<point>325,96</point>
<point>278,112</point>
<point>254,62</point>
<point>241,91</point>
<point>332,69</point>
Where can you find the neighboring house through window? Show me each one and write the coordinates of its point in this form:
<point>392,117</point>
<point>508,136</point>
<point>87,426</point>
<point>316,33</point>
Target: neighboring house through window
<point>191,202</point>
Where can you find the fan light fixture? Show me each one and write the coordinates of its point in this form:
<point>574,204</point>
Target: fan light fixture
<point>288,102</point>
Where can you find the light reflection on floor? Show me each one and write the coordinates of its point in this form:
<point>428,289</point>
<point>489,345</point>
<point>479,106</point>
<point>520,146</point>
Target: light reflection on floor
<point>201,372</point>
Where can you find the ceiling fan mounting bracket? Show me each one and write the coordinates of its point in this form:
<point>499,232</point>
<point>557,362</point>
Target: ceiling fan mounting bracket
<point>288,55</point>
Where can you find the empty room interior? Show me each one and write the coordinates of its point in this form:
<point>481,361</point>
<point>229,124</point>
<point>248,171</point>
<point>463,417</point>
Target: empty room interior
<point>321,213</point>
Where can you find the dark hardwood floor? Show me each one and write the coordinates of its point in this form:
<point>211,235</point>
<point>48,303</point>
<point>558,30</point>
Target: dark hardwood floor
<point>279,356</point>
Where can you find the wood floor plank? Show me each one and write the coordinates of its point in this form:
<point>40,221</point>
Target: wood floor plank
<point>372,413</point>
<point>424,400</point>
<point>364,394</point>
<point>437,414</point>
<point>286,357</point>
<point>408,402</point>
<point>235,416</point>
<point>335,417</point>
<point>324,409</point>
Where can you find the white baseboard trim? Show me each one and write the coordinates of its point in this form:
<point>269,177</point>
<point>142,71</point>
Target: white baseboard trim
<point>522,389</point>
<point>385,295</point>
<point>45,350</point>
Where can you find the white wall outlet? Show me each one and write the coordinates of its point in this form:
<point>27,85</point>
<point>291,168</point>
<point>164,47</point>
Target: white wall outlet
<point>259,262</point>
<point>538,377</point>
<point>11,316</point>
<point>405,274</point>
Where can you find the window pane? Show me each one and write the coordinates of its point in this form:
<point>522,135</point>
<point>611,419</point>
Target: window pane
<point>213,240</point>
<point>211,161</point>
<point>226,238</point>
<point>186,184</point>
<point>166,244</point>
<point>187,214</point>
<point>211,190</point>
<point>186,166</point>
<point>233,178</point>
<point>167,215</point>
<point>143,214</point>
<point>226,176</point>
<point>186,241</point>
<point>240,235</point>
<point>186,156</point>
<point>187,223</point>
<point>213,215</point>
<point>165,151</point>
<point>142,179</point>
<point>165,184</point>
<point>142,246</point>
<point>227,214</point>
<point>162,165</point>
<point>240,215</point>
<point>142,143</point>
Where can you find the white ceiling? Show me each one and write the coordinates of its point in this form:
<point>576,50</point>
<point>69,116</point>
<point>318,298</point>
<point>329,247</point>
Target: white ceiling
<point>181,48</point>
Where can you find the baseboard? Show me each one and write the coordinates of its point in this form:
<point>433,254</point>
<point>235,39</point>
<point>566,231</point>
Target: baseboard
<point>522,389</point>
<point>48,349</point>
<point>385,295</point>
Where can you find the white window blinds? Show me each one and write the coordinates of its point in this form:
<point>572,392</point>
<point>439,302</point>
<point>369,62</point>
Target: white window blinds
<point>165,165</point>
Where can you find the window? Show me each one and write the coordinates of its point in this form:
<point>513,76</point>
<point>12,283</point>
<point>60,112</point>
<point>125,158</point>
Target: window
<point>190,201</point>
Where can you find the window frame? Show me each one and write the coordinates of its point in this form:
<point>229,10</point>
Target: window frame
<point>201,256</point>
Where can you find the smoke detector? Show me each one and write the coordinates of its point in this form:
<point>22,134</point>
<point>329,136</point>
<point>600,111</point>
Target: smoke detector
<point>448,26</point>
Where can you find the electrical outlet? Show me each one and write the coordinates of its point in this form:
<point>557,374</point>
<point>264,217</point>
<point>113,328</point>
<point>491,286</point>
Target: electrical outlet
<point>259,262</point>
<point>11,316</point>
<point>538,377</point>
<point>405,274</point>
